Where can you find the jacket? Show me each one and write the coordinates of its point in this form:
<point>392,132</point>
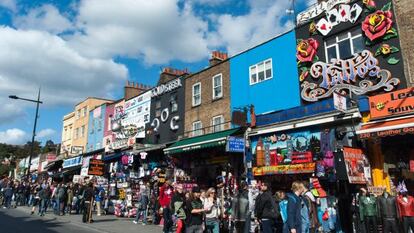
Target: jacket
<point>266,207</point>
<point>387,206</point>
<point>405,208</point>
<point>166,193</point>
<point>367,206</point>
<point>240,206</point>
<point>294,218</point>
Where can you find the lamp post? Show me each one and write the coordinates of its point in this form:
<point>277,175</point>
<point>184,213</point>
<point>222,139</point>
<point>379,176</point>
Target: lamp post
<point>34,127</point>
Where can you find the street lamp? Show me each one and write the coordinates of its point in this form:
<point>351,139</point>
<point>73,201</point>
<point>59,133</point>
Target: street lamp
<point>35,123</point>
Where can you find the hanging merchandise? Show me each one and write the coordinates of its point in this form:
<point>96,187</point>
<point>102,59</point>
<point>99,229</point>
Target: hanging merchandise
<point>124,159</point>
<point>260,153</point>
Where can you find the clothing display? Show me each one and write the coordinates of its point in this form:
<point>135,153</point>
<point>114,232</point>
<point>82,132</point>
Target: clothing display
<point>405,204</point>
<point>368,212</point>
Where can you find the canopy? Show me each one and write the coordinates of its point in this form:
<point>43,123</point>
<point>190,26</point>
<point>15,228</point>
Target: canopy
<point>200,142</point>
<point>388,127</point>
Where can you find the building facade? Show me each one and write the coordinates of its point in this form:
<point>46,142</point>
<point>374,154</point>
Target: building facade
<point>96,128</point>
<point>207,98</point>
<point>81,123</point>
<point>265,76</point>
<point>67,134</point>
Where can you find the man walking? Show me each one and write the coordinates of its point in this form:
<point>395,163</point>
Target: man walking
<point>266,209</point>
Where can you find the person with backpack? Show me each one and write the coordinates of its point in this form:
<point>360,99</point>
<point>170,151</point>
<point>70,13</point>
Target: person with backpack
<point>99,197</point>
<point>178,208</point>
<point>266,209</point>
<point>281,201</point>
<point>294,208</point>
<point>310,201</point>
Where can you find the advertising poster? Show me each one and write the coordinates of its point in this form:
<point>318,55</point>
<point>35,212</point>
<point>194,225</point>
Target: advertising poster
<point>96,167</point>
<point>356,164</point>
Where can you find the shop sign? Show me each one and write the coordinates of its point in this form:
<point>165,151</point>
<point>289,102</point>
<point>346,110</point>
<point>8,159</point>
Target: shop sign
<point>119,143</point>
<point>339,102</point>
<point>317,9</point>
<point>72,162</point>
<point>386,133</point>
<point>355,162</point>
<point>137,114</point>
<point>96,167</point>
<point>76,150</point>
<point>34,164</point>
<point>165,88</point>
<point>393,103</point>
<point>235,144</point>
<point>358,75</point>
<point>377,191</point>
<point>284,169</point>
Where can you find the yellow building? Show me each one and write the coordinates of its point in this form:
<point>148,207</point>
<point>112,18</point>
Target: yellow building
<point>79,134</point>
<point>67,133</point>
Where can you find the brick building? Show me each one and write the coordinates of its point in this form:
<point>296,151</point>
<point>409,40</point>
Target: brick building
<point>207,98</point>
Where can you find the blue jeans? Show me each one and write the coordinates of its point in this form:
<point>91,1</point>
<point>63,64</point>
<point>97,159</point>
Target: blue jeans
<point>7,201</point>
<point>212,225</point>
<point>43,206</point>
<point>142,213</point>
<point>267,226</point>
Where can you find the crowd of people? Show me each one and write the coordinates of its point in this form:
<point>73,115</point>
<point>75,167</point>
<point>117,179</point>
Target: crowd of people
<point>250,208</point>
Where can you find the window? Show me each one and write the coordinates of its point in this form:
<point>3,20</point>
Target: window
<point>196,94</point>
<point>173,103</point>
<point>85,109</point>
<point>217,86</point>
<point>197,128</point>
<point>345,45</point>
<point>70,133</point>
<point>158,108</point>
<point>65,134</point>
<point>78,113</point>
<point>261,71</point>
<point>76,133</point>
<point>217,123</point>
<point>82,131</point>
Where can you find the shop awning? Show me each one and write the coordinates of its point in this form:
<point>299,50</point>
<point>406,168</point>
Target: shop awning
<point>388,127</point>
<point>200,142</point>
<point>54,165</point>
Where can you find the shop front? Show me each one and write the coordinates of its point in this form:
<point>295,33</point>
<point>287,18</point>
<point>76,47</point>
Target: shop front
<point>203,158</point>
<point>388,133</point>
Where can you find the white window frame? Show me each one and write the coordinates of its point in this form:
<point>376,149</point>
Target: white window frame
<point>192,94</point>
<point>336,44</point>
<point>198,131</point>
<point>78,113</point>
<point>256,66</point>
<point>83,128</point>
<point>219,86</point>
<point>221,125</point>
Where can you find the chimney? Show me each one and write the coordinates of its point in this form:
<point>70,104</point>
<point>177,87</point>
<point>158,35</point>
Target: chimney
<point>217,57</point>
<point>133,89</point>
<point>169,74</point>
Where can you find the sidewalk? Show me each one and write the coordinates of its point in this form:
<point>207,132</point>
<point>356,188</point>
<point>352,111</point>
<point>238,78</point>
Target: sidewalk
<point>105,224</point>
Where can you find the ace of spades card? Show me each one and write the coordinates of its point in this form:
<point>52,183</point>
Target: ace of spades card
<point>323,26</point>
<point>355,12</point>
<point>333,17</point>
<point>344,12</point>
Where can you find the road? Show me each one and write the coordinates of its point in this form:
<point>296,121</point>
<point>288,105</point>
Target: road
<point>20,221</point>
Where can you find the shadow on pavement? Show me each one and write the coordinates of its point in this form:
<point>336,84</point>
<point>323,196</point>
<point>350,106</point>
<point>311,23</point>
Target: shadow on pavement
<point>19,224</point>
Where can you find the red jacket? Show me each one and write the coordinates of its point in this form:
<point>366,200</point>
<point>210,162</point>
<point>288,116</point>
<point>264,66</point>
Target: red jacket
<point>405,208</point>
<point>166,193</point>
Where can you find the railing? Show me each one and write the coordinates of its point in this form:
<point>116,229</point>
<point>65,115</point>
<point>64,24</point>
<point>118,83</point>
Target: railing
<point>207,130</point>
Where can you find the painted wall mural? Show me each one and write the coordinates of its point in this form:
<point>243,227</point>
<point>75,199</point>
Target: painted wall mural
<point>353,48</point>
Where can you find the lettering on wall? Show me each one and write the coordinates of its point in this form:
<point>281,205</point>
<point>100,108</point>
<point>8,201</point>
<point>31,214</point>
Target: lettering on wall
<point>165,88</point>
<point>358,75</point>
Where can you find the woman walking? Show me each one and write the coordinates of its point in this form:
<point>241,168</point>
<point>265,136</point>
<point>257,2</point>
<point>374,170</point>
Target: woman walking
<point>212,211</point>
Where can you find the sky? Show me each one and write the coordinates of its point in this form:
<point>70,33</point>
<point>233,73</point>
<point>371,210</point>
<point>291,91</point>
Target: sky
<point>72,49</point>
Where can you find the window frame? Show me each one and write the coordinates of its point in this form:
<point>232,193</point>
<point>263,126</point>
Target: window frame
<point>349,37</point>
<point>214,87</point>
<point>83,128</point>
<point>256,67</point>
<point>221,125</point>
<point>199,131</point>
<point>192,94</point>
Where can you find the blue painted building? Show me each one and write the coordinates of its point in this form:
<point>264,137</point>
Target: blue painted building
<point>96,128</point>
<point>266,76</point>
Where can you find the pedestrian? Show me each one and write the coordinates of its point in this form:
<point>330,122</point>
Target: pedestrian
<point>281,202</point>
<point>253,194</point>
<point>310,201</point>
<point>143,201</point>
<point>61,199</point>
<point>8,194</point>
<point>178,208</point>
<point>212,211</point>
<point>240,208</point>
<point>70,196</point>
<point>166,192</point>
<point>196,210</point>
<point>294,206</point>
<point>36,199</point>
<point>44,195</point>
<point>99,197</point>
<point>266,209</point>
<point>88,196</point>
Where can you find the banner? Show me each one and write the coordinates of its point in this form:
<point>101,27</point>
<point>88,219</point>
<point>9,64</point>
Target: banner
<point>96,167</point>
<point>284,169</point>
<point>393,103</point>
<point>356,163</point>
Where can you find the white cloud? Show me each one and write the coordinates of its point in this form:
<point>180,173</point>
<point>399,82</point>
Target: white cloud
<point>44,133</point>
<point>261,23</point>
<point>9,4</point>
<point>157,31</point>
<point>13,136</point>
<point>30,59</point>
<point>44,18</point>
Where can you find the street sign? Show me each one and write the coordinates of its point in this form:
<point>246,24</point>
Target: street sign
<point>339,102</point>
<point>235,144</point>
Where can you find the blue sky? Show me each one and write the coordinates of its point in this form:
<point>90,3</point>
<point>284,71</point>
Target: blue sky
<point>79,48</point>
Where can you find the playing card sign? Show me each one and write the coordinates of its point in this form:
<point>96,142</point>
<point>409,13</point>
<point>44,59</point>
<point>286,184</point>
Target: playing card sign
<point>318,9</point>
<point>344,13</point>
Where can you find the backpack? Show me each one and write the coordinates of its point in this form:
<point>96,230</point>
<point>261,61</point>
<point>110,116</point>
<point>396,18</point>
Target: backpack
<point>283,210</point>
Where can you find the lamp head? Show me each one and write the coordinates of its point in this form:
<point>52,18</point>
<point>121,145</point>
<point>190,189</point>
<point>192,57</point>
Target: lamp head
<point>13,97</point>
